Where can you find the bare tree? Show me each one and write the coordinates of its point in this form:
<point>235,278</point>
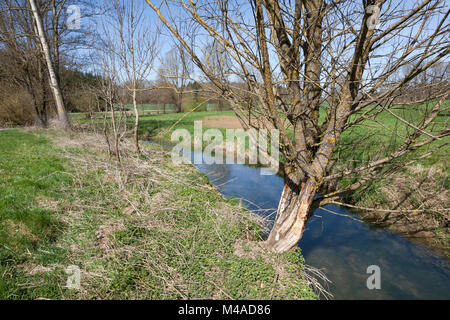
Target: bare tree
<point>303,58</point>
<point>54,83</point>
<point>218,59</point>
<point>133,41</point>
<point>22,62</point>
<point>176,69</point>
<point>19,35</point>
<point>108,89</point>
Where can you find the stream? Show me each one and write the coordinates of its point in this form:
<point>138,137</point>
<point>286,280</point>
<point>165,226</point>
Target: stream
<point>341,245</point>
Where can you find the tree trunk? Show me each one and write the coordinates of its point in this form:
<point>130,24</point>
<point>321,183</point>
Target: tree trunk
<point>116,134</point>
<point>292,214</point>
<point>180,102</point>
<point>136,121</point>
<point>62,115</point>
<point>43,111</point>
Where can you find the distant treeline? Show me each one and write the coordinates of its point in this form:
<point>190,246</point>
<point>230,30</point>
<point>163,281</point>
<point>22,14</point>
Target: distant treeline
<point>26,98</point>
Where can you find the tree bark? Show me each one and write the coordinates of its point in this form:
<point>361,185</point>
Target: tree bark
<point>62,115</point>
<point>180,102</point>
<point>292,214</point>
<point>116,134</point>
<point>43,115</point>
<point>136,121</point>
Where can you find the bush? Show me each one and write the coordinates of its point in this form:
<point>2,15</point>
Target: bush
<point>16,108</point>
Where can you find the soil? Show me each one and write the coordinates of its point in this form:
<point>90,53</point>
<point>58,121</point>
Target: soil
<point>232,122</point>
<point>226,122</point>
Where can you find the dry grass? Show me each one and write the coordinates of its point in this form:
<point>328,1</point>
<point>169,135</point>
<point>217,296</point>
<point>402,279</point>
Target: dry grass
<point>422,203</point>
<point>145,228</point>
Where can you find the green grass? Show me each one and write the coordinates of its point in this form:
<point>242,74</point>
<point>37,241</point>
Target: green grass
<point>160,124</point>
<point>377,138</point>
<point>153,108</point>
<point>64,202</point>
<point>360,144</point>
<point>30,172</point>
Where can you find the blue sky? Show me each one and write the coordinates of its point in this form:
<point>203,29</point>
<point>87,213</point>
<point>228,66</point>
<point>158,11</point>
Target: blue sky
<point>166,42</point>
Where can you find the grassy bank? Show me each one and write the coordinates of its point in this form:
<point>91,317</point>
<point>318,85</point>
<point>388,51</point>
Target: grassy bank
<point>422,184</point>
<point>142,229</point>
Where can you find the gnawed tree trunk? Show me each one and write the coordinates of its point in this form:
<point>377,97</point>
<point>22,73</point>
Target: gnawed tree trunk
<point>294,209</point>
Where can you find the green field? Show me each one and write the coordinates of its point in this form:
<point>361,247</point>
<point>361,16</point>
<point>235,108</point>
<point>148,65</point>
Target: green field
<point>170,107</point>
<point>364,141</point>
<point>153,108</point>
<point>159,125</point>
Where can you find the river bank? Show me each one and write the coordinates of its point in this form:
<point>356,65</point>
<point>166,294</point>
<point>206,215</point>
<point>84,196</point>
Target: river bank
<point>140,229</point>
<point>423,186</point>
<point>414,202</point>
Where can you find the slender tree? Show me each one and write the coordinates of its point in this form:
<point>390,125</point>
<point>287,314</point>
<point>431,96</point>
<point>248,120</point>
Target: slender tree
<point>133,41</point>
<point>54,83</point>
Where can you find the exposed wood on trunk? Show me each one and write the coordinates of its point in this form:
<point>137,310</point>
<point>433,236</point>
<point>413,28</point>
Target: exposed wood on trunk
<point>292,215</point>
